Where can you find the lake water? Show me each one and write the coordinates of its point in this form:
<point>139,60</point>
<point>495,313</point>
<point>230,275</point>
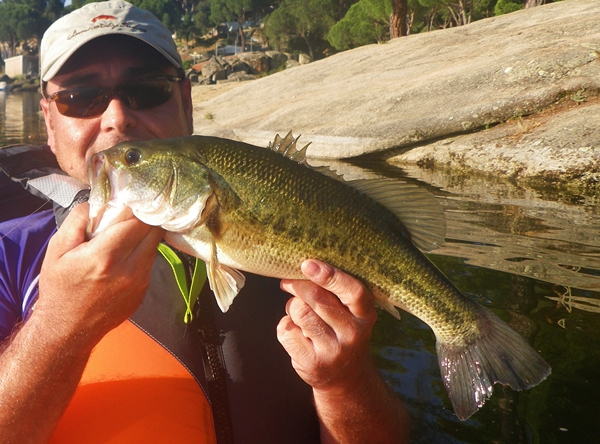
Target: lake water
<point>20,119</point>
<point>532,257</point>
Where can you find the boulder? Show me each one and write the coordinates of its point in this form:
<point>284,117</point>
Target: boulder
<point>214,65</point>
<point>220,75</point>
<point>257,61</point>
<point>240,76</point>
<point>276,59</point>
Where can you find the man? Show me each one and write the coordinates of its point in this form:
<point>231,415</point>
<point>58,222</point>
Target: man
<point>81,319</point>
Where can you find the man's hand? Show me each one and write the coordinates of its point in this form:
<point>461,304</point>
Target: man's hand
<point>86,289</point>
<point>328,327</point>
<point>327,332</point>
<point>96,285</point>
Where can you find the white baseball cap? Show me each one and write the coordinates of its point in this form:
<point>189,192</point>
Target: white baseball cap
<point>69,33</point>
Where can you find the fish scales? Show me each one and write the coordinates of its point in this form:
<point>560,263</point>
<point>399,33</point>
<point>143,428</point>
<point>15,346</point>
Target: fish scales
<point>267,187</point>
<point>237,206</point>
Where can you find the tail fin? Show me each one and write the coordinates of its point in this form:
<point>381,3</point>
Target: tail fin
<point>499,354</point>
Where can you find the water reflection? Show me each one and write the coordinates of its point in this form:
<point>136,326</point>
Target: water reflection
<point>499,225</point>
<point>20,119</point>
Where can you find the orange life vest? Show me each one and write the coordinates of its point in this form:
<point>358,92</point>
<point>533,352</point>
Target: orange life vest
<point>135,391</point>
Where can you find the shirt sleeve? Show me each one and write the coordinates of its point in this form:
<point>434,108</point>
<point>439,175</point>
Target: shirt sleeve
<point>23,243</point>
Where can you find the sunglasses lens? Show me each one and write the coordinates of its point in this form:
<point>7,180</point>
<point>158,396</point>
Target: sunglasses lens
<point>146,93</point>
<point>81,102</point>
<point>93,101</point>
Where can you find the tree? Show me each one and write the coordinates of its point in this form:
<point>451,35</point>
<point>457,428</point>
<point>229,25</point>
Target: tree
<point>365,22</point>
<point>233,11</point>
<point>506,6</point>
<point>308,19</point>
<point>398,26</point>
<point>201,17</point>
<point>20,22</point>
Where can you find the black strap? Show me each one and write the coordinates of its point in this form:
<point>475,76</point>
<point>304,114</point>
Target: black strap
<point>214,368</point>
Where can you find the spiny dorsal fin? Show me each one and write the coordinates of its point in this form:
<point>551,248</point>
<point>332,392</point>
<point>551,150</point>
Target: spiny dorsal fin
<point>288,147</point>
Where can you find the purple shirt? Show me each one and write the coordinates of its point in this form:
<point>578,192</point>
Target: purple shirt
<point>23,243</point>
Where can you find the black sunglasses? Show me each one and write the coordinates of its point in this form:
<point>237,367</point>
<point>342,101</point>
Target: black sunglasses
<point>91,101</point>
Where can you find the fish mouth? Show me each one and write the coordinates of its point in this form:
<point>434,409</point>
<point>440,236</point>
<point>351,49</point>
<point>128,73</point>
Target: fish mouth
<point>103,210</point>
<point>96,167</point>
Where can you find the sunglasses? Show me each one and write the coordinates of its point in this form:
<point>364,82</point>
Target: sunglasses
<point>91,101</point>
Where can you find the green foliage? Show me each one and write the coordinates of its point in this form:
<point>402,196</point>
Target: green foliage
<point>506,6</point>
<point>229,10</point>
<point>366,22</point>
<point>236,11</point>
<point>201,17</point>
<point>309,20</point>
<point>24,20</point>
<point>160,8</point>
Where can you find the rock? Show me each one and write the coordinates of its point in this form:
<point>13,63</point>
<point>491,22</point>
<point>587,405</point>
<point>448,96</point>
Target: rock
<point>238,77</point>
<point>214,65</point>
<point>257,61</point>
<point>220,75</point>
<point>483,97</point>
<point>239,66</point>
<point>303,59</point>
<point>276,59</point>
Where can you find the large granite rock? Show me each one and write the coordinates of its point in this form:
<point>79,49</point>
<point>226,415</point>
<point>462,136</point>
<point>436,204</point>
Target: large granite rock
<point>513,95</point>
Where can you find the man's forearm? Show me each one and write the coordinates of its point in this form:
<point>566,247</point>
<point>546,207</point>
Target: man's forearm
<point>370,413</point>
<point>40,368</point>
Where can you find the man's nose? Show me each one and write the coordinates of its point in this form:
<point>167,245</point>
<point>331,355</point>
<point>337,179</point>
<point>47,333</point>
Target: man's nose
<point>117,117</point>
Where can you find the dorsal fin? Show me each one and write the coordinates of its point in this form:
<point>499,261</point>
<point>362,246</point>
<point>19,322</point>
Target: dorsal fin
<point>288,147</point>
<point>418,210</point>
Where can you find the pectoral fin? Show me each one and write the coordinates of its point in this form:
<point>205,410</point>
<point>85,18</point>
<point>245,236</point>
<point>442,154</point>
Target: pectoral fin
<point>224,281</point>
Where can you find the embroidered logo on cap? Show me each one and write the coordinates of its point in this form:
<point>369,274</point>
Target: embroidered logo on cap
<point>103,17</point>
<point>128,25</point>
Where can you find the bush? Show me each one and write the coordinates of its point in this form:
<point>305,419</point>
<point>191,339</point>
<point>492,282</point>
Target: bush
<point>506,6</point>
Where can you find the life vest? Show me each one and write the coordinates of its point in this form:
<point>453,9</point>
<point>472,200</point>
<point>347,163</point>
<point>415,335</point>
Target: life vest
<point>156,379</point>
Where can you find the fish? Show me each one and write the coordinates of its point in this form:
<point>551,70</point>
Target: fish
<point>261,210</point>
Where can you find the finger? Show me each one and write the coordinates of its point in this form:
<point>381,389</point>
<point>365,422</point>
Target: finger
<point>296,344</point>
<point>129,237</point>
<point>312,326</point>
<point>351,292</point>
<point>71,233</point>
<point>322,302</point>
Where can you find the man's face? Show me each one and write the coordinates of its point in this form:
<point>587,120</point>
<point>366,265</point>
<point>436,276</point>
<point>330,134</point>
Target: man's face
<point>106,64</point>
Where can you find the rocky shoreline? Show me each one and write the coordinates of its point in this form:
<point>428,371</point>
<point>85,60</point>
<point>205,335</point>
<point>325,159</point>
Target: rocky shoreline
<point>514,96</point>
<point>243,66</point>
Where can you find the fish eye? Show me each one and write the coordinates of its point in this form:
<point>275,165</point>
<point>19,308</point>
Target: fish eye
<point>132,157</point>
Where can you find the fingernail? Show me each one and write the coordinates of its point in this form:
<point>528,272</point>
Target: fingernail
<point>311,268</point>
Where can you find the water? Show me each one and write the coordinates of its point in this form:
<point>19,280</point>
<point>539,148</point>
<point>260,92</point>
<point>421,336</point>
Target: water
<point>20,119</point>
<point>532,257</point>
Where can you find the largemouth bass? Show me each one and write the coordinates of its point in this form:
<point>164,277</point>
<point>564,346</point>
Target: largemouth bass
<point>241,207</point>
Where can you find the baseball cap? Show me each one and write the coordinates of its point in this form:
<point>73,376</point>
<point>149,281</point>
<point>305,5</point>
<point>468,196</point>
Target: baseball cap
<point>71,32</point>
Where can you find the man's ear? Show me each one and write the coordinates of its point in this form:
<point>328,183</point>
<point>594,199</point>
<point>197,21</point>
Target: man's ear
<point>186,100</point>
<point>48,120</point>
